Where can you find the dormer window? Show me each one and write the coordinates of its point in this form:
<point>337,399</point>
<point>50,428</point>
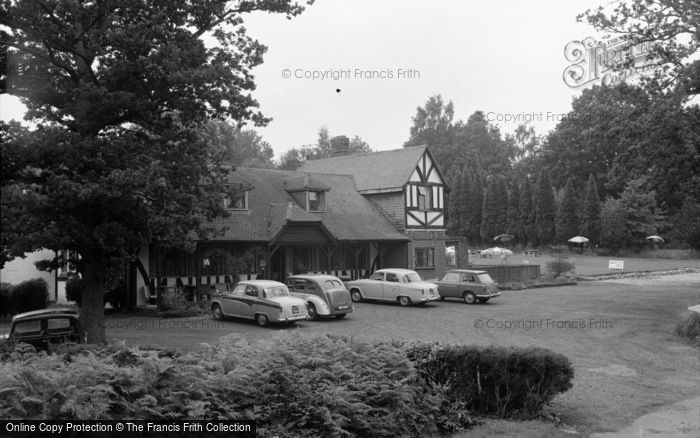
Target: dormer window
<point>236,201</point>
<point>308,192</point>
<point>315,201</point>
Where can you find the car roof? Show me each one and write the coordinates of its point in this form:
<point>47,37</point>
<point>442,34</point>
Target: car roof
<point>262,283</point>
<point>317,277</point>
<point>55,311</point>
<point>396,271</point>
<point>466,271</point>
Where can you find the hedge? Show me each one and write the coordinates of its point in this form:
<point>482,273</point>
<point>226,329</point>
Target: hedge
<point>29,295</point>
<point>494,381</point>
<point>293,386</point>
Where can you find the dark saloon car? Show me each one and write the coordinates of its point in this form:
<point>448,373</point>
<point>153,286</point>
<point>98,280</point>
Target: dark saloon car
<point>468,285</point>
<point>325,295</point>
<point>42,328</point>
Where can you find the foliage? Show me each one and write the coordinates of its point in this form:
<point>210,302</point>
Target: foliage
<point>5,299</point>
<point>514,224</point>
<point>295,157</point>
<point>29,295</point>
<point>542,216</point>
<point>567,223</point>
<point>686,224</point>
<point>455,206</point>
<point>495,381</point>
<point>526,231</point>
<point>590,212</point>
<point>475,144</point>
<point>670,27</point>
<point>240,147</point>
<point>471,205</point>
<point>118,95</point>
<point>291,386</point>
<point>688,327</point>
<point>629,219</point>
<point>495,209</point>
<point>74,289</point>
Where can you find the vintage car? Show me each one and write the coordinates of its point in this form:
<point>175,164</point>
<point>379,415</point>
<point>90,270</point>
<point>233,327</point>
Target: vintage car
<point>325,295</point>
<point>468,285</point>
<point>402,285</point>
<point>42,328</point>
<point>264,301</point>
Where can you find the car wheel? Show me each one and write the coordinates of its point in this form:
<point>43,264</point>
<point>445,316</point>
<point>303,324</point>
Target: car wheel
<point>442,298</point>
<point>216,311</point>
<point>355,295</point>
<point>261,320</point>
<point>341,315</point>
<point>483,300</point>
<point>469,297</point>
<point>404,301</point>
<point>312,311</point>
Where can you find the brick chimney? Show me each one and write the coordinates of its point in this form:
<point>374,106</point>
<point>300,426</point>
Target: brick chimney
<point>340,145</point>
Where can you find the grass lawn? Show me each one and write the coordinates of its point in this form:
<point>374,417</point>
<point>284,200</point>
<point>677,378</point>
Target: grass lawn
<point>592,264</point>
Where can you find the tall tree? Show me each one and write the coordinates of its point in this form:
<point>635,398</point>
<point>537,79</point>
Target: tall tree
<point>471,206</point>
<point>543,209</point>
<point>295,157</point>
<point>514,223</point>
<point>118,92</point>
<point>526,234</point>
<point>494,212</point>
<point>567,224</point>
<point>629,219</point>
<point>454,206</point>
<point>240,147</point>
<point>590,212</point>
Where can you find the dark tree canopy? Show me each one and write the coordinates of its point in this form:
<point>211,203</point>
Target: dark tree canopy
<point>295,157</point>
<point>118,91</point>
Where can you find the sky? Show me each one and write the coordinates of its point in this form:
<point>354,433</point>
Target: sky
<point>387,57</point>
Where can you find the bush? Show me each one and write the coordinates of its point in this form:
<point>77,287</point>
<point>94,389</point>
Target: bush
<point>494,381</point>
<point>292,386</point>
<point>30,295</point>
<point>559,267</point>
<point>5,299</point>
<point>74,289</point>
<point>688,327</point>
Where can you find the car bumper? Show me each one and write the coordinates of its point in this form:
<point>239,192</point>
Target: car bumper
<point>489,295</point>
<point>435,297</point>
<point>293,318</point>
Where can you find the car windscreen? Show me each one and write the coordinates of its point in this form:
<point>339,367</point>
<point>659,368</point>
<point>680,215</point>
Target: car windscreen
<point>27,327</point>
<point>485,278</point>
<point>276,291</point>
<point>58,325</point>
<point>412,278</point>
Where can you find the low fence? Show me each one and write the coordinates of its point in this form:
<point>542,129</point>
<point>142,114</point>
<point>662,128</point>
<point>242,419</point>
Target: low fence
<point>511,273</point>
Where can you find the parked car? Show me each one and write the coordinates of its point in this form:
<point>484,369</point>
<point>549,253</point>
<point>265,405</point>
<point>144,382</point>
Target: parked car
<point>468,285</point>
<point>325,295</point>
<point>42,328</point>
<point>264,301</point>
<point>402,285</point>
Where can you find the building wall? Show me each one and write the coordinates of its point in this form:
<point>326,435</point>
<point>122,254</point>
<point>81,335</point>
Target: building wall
<point>428,239</point>
<point>392,206</point>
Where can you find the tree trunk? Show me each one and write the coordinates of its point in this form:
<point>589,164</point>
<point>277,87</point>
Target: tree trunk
<point>93,304</point>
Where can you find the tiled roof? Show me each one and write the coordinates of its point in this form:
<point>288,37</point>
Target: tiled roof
<point>304,182</point>
<point>375,171</point>
<point>348,216</point>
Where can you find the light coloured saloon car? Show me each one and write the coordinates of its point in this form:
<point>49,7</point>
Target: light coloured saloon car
<point>264,301</point>
<point>401,285</point>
